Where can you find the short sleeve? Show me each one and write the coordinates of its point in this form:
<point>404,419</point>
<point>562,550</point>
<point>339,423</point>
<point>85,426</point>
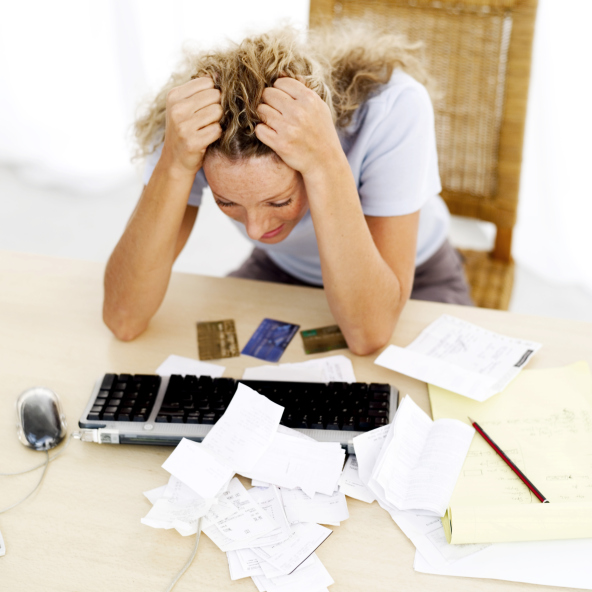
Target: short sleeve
<point>399,171</point>
<point>199,183</point>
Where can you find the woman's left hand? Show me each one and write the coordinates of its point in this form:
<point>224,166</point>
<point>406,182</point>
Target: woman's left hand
<point>298,126</point>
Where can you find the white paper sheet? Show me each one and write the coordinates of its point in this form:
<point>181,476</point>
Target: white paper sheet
<point>329,369</point>
<point>179,507</point>
<point>293,433</point>
<point>248,522</point>
<point>422,461</point>
<point>195,466</point>
<point>294,462</point>
<point>312,577</point>
<point>246,429</point>
<point>350,483</point>
<point>303,542</point>
<point>154,494</point>
<point>368,449</point>
<point>427,534</point>
<point>461,357</point>
<point>243,563</point>
<point>2,546</point>
<point>180,365</point>
<point>270,499</point>
<point>285,372</point>
<point>551,563</point>
<point>322,509</point>
<point>271,572</point>
<point>166,514</point>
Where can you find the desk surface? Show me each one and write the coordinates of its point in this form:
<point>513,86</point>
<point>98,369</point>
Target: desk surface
<point>81,530</point>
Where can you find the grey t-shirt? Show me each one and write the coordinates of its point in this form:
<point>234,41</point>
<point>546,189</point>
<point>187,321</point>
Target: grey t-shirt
<point>391,149</point>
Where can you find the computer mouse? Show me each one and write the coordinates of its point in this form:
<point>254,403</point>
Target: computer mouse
<point>41,423</point>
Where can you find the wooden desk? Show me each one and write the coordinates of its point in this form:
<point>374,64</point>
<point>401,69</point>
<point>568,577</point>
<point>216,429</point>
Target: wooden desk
<point>81,531</point>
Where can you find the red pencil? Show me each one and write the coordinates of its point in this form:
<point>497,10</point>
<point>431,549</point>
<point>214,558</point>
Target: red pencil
<point>514,468</point>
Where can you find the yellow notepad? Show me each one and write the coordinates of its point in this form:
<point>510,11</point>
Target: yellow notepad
<point>543,422</point>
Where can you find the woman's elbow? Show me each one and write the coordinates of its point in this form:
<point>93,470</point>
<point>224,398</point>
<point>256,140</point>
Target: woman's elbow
<point>366,343</point>
<point>122,326</point>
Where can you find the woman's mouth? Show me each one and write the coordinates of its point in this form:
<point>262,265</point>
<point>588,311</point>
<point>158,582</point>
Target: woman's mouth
<point>273,233</point>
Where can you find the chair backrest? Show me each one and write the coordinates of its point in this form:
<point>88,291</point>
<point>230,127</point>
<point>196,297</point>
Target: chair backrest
<point>479,53</point>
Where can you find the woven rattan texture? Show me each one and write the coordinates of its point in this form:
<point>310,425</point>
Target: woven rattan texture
<point>466,54</point>
<point>491,281</point>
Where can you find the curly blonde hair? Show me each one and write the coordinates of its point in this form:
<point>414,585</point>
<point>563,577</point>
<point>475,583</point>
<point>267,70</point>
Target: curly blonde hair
<point>344,65</point>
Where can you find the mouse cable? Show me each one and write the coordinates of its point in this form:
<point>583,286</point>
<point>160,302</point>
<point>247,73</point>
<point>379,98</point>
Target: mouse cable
<point>189,561</point>
<point>72,435</point>
<point>44,465</point>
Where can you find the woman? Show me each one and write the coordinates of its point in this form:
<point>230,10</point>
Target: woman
<point>323,153</point>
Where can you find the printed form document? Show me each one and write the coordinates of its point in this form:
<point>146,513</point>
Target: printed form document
<point>461,357</point>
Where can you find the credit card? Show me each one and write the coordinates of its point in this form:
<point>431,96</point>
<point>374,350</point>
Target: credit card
<point>270,340</point>
<point>323,339</point>
<point>217,339</point>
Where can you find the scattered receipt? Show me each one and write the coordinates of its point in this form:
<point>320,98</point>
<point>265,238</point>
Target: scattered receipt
<point>302,543</point>
<point>328,369</point>
<point>193,465</point>
<point>461,357</point>
<point>248,521</point>
<point>180,365</point>
<point>419,466</point>
<point>246,429</point>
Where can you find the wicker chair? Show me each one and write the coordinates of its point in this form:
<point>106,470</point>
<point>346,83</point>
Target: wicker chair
<point>479,53</point>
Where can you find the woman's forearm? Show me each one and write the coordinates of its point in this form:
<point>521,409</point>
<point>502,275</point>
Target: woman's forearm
<point>364,293</point>
<point>138,271</point>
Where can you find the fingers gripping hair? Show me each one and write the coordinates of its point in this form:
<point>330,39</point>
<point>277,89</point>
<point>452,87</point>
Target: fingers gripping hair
<point>243,72</point>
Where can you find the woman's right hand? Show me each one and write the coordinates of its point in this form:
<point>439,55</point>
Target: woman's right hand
<point>193,113</point>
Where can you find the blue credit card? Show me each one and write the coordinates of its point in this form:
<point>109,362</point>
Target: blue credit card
<point>270,340</point>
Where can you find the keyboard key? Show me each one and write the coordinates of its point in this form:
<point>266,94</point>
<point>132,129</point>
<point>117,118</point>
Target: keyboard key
<point>378,405</point>
<point>349,424</point>
<point>303,423</point>
<point>334,424</point>
<point>366,423</point>
<point>108,380</point>
<point>125,414</point>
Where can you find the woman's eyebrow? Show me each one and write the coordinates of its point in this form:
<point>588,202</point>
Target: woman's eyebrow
<point>283,195</point>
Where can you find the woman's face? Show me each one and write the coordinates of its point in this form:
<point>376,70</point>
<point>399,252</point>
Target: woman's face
<point>264,194</point>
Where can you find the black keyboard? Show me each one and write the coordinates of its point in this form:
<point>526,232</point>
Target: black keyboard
<point>161,410</point>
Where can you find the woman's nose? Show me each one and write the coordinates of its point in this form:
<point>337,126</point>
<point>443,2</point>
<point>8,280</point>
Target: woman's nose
<point>256,225</point>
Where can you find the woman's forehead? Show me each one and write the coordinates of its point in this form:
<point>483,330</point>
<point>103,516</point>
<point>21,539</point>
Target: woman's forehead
<point>262,177</point>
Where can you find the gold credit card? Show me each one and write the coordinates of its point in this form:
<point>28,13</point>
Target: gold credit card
<point>217,339</point>
<point>323,339</point>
